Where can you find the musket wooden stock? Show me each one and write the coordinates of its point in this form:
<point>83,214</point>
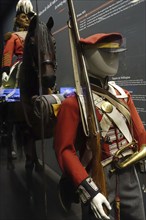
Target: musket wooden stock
<point>85,99</point>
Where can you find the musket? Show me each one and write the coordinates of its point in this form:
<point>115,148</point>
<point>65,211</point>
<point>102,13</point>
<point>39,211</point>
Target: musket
<point>85,99</point>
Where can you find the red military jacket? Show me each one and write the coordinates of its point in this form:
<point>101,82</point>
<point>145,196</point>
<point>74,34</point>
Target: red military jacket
<point>67,134</point>
<point>13,46</point>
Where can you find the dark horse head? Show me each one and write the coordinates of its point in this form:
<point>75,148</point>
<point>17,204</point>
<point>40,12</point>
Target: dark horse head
<point>39,60</point>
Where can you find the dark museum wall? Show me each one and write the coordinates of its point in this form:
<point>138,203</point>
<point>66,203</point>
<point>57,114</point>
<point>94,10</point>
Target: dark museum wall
<point>124,16</point>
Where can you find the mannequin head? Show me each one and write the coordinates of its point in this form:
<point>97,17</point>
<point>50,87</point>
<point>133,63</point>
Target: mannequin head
<point>101,53</point>
<point>21,22</point>
<point>24,13</point>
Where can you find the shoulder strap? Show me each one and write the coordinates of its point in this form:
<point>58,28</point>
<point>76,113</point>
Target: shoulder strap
<point>121,106</point>
<point>122,94</point>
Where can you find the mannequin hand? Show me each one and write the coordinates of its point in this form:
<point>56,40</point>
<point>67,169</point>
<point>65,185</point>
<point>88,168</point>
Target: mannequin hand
<point>89,193</point>
<point>5,77</point>
<point>97,206</point>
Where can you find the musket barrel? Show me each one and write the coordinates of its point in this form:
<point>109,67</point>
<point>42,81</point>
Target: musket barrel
<point>85,100</point>
<point>83,70</point>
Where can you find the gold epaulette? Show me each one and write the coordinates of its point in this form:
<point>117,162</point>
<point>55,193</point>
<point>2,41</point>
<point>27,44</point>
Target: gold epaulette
<point>7,36</point>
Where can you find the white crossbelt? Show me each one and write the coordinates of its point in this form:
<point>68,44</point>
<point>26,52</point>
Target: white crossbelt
<point>115,117</point>
<point>107,119</point>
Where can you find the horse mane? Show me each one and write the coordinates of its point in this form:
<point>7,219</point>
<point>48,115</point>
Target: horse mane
<point>40,38</point>
<point>44,39</point>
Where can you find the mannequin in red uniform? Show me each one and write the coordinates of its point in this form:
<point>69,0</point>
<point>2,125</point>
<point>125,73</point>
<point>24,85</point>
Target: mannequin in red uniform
<point>14,41</point>
<point>12,55</point>
<point>101,52</point>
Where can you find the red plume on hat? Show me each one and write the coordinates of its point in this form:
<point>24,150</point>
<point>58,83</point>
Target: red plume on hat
<point>24,6</point>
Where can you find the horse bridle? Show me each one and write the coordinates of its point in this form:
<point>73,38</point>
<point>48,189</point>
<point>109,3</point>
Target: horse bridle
<point>50,62</point>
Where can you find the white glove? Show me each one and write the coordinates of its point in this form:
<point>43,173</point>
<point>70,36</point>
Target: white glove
<point>89,192</point>
<point>5,77</point>
<point>97,206</point>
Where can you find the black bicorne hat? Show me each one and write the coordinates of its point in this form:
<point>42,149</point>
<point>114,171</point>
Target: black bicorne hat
<point>24,6</point>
